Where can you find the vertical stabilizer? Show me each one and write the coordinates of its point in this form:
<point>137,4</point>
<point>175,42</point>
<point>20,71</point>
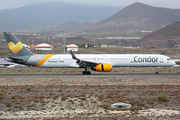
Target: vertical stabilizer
<point>16,47</point>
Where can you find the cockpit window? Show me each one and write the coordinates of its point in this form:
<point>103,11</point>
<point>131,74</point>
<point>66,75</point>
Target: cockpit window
<point>168,59</point>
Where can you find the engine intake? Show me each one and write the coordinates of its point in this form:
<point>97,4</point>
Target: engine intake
<point>102,68</point>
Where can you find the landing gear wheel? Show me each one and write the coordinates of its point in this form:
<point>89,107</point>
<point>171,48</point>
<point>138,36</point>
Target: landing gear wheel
<point>157,73</point>
<point>86,72</point>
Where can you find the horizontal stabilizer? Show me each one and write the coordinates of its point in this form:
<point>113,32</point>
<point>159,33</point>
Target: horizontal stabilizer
<point>11,59</point>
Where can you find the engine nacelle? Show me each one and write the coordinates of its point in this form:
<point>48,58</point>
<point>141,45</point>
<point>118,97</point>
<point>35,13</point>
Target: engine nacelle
<point>102,68</point>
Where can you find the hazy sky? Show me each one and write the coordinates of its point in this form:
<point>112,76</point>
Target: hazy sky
<point>6,4</point>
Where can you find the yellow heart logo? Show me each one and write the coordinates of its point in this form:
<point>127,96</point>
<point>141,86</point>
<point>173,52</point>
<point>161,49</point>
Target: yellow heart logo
<point>15,48</point>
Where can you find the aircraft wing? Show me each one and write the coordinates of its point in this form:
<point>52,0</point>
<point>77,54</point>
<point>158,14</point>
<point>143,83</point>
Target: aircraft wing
<point>83,63</point>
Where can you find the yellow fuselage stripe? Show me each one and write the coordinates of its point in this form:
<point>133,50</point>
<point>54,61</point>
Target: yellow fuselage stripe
<point>44,59</point>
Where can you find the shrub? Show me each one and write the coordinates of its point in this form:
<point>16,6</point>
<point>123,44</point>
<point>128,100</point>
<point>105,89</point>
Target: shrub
<point>8,104</point>
<point>105,105</point>
<point>28,89</point>
<point>178,62</point>
<point>164,97</point>
<point>19,107</point>
<point>86,85</point>
<point>1,95</point>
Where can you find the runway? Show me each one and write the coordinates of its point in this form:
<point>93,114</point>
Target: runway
<point>80,75</point>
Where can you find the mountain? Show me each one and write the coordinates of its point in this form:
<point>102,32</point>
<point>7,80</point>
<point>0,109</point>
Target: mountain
<point>137,16</point>
<point>60,11</point>
<point>53,16</point>
<point>168,37</point>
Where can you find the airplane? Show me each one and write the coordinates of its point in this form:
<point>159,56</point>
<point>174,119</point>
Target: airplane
<point>95,62</point>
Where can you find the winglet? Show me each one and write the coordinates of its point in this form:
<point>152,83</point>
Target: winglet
<point>73,56</point>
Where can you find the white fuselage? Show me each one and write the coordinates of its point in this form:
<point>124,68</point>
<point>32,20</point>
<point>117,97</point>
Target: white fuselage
<point>116,60</point>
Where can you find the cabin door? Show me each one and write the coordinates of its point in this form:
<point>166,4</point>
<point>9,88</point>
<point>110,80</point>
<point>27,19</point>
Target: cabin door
<point>161,59</point>
<point>96,59</point>
<point>132,59</point>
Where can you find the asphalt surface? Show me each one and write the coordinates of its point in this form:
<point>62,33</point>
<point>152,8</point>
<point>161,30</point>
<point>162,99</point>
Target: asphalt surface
<point>86,75</point>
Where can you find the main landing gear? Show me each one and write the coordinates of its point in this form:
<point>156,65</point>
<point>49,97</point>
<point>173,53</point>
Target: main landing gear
<point>157,72</point>
<point>86,72</point>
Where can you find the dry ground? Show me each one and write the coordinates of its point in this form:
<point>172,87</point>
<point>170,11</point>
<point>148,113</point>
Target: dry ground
<point>89,97</point>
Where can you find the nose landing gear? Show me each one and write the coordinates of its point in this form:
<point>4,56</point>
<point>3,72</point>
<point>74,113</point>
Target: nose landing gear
<point>157,72</point>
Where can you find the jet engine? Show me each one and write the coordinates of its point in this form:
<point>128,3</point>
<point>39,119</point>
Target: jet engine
<point>102,68</point>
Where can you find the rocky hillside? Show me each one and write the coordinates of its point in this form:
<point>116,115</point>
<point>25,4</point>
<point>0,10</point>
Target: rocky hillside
<point>166,37</point>
<point>138,16</point>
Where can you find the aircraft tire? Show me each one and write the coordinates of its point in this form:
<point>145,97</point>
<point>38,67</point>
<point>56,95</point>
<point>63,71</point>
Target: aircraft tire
<point>86,73</point>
